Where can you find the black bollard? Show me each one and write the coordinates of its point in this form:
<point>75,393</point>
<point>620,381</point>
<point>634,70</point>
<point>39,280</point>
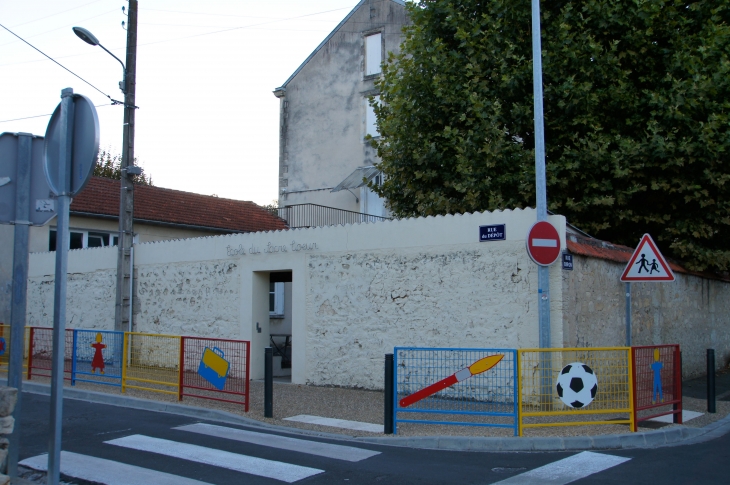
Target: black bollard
<point>388,418</point>
<point>711,381</point>
<point>268,382</point>
<point>677,417</point>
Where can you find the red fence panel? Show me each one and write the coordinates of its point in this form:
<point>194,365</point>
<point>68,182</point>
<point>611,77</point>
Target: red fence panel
<point>217,369</point>
<point>40,352</point>
<point>657,382</point>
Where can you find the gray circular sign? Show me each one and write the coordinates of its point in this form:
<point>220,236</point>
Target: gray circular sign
<point>84,147</point>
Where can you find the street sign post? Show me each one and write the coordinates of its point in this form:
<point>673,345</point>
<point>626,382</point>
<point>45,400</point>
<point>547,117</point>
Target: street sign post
<point>25,200</point>
<point>36,197</point>
<point>70,152</point>
<point>647,264</point>
<point>543,243</point>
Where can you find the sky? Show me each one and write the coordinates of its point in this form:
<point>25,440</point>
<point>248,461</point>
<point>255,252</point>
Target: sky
<point>207,121</point>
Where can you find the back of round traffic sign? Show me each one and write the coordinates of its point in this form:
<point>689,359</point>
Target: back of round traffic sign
<point>543,243</point>
<point>85,146</point>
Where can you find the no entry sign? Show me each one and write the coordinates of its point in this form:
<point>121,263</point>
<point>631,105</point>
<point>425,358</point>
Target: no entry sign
<point>543,243</point>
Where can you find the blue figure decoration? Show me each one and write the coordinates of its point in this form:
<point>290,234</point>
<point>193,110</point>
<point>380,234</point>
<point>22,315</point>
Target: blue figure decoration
<point>657,388</point>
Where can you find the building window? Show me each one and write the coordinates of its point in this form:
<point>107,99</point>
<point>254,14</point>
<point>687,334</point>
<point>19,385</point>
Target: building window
<point>373,54</point>
<point>371,122</point>
<point>85,239</point>
<point>276,299</point>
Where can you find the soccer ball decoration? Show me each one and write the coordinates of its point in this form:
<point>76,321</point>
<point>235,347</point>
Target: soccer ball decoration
<point>577,385</point>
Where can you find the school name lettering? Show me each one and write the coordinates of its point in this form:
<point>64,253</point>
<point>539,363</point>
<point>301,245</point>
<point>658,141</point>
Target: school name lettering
<point>270,248</point>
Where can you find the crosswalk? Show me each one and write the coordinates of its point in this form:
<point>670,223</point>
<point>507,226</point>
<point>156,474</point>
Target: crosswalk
<point>109,472</point>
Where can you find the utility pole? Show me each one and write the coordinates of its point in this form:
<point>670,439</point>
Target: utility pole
<point>123,308</point>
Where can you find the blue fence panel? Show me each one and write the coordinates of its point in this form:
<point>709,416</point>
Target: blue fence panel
<point>475,386</point>
<point>98,357</point>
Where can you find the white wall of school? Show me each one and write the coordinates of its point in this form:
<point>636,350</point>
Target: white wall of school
<point>357,290</point>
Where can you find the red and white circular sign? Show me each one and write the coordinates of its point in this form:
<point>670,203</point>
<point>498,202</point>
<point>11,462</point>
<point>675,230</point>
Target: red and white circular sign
<point>543,243</point>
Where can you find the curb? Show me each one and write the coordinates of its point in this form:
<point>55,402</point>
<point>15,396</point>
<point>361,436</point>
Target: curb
<point>675,436</point>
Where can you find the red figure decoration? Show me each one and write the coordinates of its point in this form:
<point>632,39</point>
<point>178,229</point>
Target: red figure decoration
<point>98,361</point>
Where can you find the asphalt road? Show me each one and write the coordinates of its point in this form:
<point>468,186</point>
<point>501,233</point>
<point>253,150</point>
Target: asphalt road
<point>88,427</point>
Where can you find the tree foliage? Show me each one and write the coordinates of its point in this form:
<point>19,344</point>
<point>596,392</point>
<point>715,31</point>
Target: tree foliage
<point>636,96</point>
<point>110,166</point>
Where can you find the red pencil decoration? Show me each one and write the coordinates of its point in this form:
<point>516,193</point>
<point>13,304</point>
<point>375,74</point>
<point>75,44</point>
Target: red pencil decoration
<point>478,367</point>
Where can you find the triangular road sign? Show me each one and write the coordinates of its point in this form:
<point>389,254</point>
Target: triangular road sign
<point>647,264</point>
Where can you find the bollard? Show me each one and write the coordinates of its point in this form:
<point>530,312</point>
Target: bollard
<point>677,416</point>
<point>388,418</point>
<point>711,381</point>
<point>268,382</point>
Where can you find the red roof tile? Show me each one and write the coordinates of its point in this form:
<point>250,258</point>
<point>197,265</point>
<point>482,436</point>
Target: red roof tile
<point>101,196</point>
<point>595,248</point>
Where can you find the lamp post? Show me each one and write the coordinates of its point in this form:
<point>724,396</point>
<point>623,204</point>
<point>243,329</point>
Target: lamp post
<point>123,306</point>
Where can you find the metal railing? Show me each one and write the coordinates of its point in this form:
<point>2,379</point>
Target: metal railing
<point>314,215</point>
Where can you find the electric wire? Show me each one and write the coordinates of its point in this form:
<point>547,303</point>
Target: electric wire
<point>59,28</point>
<point>49,114</point>
<point>57,13</point>
<point>54,60</point>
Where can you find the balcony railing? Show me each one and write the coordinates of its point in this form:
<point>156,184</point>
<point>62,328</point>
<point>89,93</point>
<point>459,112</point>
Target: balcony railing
<point>313,215</point>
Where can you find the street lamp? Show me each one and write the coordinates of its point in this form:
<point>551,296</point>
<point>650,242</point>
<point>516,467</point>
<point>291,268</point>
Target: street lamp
<point>125,254</point>
<point>91,39</point>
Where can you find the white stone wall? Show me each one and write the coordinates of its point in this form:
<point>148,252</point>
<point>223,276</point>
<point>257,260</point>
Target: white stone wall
<point>692,311</point>
<point>199,298</point>
<point>361,305</point>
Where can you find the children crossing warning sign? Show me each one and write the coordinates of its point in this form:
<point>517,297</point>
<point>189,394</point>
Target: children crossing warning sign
<point>647,264</point>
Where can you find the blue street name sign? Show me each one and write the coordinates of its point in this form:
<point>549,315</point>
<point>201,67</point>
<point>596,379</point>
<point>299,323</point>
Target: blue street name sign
<point>568,261</point>
<point>494,232</point>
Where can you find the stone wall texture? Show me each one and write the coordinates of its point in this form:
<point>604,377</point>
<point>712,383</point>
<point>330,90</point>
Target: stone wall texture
<point>691,311</point>
<point>89,304</point>
<point>361,305</point>
<point>200,298</point>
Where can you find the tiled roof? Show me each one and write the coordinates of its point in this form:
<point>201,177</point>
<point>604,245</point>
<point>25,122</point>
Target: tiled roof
<point>101,196</point>
<point>595,248</point>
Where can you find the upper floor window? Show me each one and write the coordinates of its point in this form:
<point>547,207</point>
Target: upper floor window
<point>371,122</point>
<point>373,54</point>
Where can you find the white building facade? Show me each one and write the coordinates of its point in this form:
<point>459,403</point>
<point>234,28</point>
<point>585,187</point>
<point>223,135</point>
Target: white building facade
<point>325,113</point>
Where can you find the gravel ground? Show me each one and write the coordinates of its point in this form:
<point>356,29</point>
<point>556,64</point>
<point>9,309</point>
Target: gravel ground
<point>367,406</point>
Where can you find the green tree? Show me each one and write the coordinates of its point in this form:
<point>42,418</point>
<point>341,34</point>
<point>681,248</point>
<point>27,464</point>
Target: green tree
<point>110,166</point>
<point>637,94</point>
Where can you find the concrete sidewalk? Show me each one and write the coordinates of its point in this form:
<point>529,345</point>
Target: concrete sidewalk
<point>367,406</point>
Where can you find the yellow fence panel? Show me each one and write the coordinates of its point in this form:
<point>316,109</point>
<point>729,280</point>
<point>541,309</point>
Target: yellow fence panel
<point>575,386</point>
<point>5,349</point>
<point>152,362</point>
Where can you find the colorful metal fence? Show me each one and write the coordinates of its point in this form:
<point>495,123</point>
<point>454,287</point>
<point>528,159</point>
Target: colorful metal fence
<point>5,348</point>
<point>565,387</point>
<point>216,369</point>
<point>152,362</point>
<point>469,387</point>
<point>657,378</point>
<point>40,352</point>
<point>97,357</point>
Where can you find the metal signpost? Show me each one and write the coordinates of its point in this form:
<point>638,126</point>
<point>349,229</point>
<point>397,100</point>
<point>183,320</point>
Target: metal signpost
<point>24,202</point>
<point>543,273</point>
<point>646,264</point>
<point>543,279</point>
<point>71,149</point>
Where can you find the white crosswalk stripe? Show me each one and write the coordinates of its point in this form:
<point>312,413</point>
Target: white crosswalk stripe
<point>338,452</point>
<point>566,470</point>
<point>337,423</point>
<point>108,472</point>
<point>247,464</point>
